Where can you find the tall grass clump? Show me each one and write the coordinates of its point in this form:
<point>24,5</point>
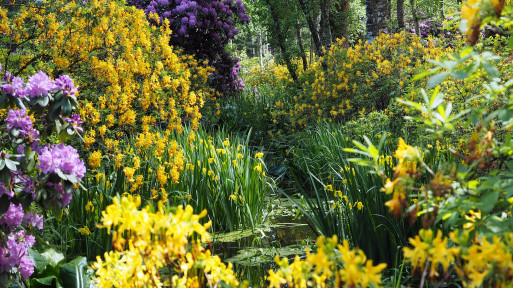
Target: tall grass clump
<point>217,172</point>
<point>344,199</point>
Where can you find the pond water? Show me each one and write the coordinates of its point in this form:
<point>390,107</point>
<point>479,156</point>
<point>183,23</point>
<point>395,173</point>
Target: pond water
<point>252,252</point>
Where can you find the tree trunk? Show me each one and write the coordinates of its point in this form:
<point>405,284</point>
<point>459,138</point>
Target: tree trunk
<point>325,24</point>
<point>311,26</point>
<point>442,7</point>
<point>400,14</point>
<point>376,11</point>
<point>301,47</point>
<point>260,48</point>
<point>415,17</point>
<point>281,41</point>
<point>339,21</point>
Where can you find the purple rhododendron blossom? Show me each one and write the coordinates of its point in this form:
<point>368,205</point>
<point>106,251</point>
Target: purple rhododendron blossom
<point>75,122</point>
<point>15,254</point>
<point>26,267</point>
<point>17,119</point>
<point>34,220</point>
<point>39,84</point>
<point>64,199</point>
<point>65,83</point>
<point>5,191</point>
<point>61,157</point>
<point>15,88</point>
<point>203,28</point>
<point>13,217</point>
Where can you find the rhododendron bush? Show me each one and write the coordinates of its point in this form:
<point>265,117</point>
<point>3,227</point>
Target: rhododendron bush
<point>37,170</point>
<point>204,28</point>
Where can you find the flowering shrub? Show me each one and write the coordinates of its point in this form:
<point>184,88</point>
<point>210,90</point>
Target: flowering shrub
<point>34,172</point>
<point>471,194</point>
<point>145,241</point>
<point>125,66</point>
<point>204,28</point>
<point>432,27</point>
<point>332,265</point>
<point>358,80</point>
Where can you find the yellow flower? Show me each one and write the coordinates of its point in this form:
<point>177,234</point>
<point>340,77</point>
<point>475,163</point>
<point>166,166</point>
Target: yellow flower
<point>89,207</point>
<point>389,186</point>
<point>129,173</point>
<point>440,254</point>
<point>418,254</point>
<point>406,152</point>
<point>259,155</point>
<point>84,231</point>
<point>95,159</point>
<point>102,130</point>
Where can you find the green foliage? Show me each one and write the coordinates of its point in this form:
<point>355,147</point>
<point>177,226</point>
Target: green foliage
<point>218,173</point>
<point>342,198</point>
<point>51,271</point>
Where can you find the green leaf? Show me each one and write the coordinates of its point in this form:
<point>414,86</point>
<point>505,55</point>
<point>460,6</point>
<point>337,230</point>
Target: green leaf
<point>505,114</point>
<point>11,164</point>
<point>436,99</point>
<point>40,262</point>
<point>58,125</point>
<point>4,204</point>
<point>73,274</point>
<point>53,257</point>
<point>54,111</point>
<point>425,74</point>
<point>61,174</point>
<point>373,152</point>
<point>5,176</point>
<point>490,69</point>
<point>19,103</point>
<point>49,281</point>
<point>15,132</point>
<point>72,178</point>
<point>436,79</point>
<point>459,75</point>
<point>66,107</point>
<point>488,201</point>
<point>43,101</point>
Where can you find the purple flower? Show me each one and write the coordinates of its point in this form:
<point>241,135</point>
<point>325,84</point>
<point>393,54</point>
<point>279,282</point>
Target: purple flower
<point>5,191</point>
<point>64,198</point>
<point>75,122</point>
<point>15,88</point>
<point>65,83</point>
<point>15,254</point>
<point>26,267</point>
<point>61,157</point>
<point>17,119</point>
<point>13,217</point>
<point>39,84</point>
<point>34,220</point>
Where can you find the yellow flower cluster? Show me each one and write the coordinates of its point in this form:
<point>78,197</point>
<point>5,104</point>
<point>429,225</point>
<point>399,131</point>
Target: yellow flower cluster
<point>479,262</point>
<point>273,74</point>
<point>145,242</point>
<point>358,79</point>
<point>332,265</point>
<point>124,66</point>
<point>407,157</point>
